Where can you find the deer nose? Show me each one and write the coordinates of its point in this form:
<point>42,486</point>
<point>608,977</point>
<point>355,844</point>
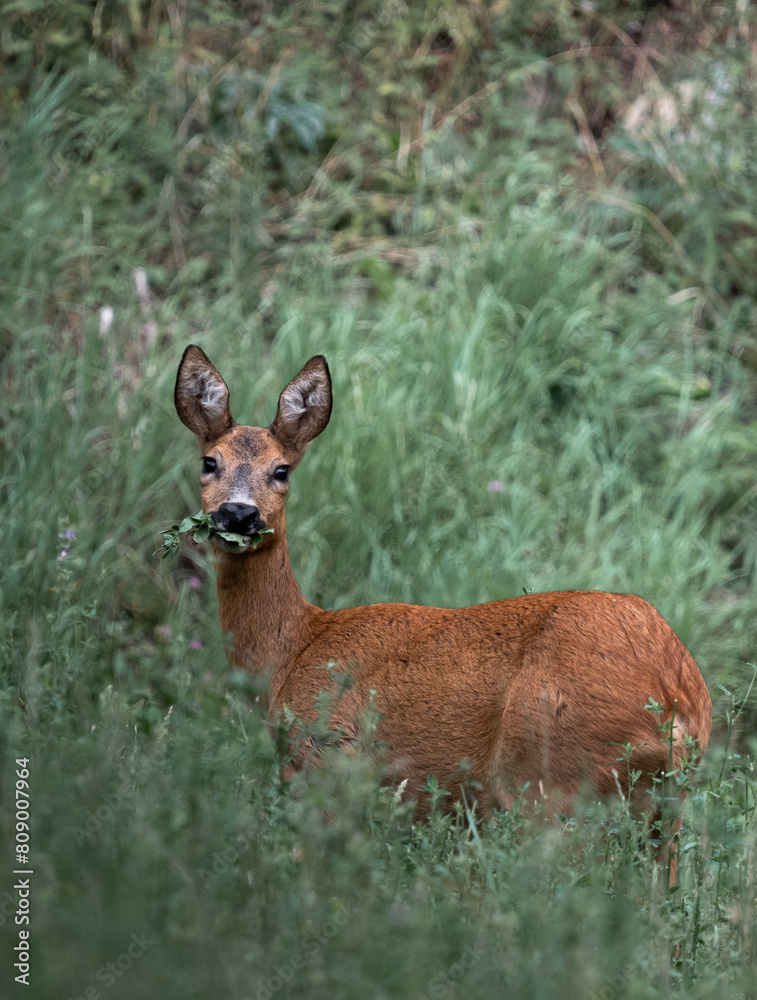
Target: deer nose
<point>240,517</point>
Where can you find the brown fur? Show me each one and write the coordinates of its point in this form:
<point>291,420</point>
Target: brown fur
<point>532,689</point>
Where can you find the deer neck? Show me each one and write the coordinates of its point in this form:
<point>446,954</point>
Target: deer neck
<point>260,603</point>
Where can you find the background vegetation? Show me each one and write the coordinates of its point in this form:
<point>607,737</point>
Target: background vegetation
<point>525,236</point>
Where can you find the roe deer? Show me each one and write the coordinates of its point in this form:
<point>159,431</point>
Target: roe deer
<point>537,689</point>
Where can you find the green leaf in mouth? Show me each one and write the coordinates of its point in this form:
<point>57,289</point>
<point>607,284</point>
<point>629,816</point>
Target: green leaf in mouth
<point>203,527</point>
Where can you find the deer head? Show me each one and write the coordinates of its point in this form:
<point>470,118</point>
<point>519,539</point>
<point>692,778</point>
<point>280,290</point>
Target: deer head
<point>245,471</point>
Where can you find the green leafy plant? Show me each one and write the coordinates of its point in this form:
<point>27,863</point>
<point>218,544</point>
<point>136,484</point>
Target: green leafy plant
<point>203,527</point>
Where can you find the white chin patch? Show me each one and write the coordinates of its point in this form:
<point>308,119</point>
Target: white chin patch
<point>232,546</point>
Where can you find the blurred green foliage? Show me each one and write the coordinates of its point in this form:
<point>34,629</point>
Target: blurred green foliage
<point>525,237</point>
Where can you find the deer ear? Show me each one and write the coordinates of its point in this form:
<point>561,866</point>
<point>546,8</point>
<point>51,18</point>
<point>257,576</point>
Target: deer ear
<point>304,407</point>
<point>201,396</point>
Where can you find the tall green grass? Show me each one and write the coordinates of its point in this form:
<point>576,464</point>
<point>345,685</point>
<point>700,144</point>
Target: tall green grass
<point>535,388</point>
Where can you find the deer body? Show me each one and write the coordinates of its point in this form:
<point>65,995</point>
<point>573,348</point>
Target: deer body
<point>531,689</point>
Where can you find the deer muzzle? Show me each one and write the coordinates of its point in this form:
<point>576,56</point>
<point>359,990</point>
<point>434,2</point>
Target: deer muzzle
<point>242,518</point>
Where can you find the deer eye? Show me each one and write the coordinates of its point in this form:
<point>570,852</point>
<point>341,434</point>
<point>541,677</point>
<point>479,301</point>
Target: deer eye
<point>208,465</point>
<point>281,473</point>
